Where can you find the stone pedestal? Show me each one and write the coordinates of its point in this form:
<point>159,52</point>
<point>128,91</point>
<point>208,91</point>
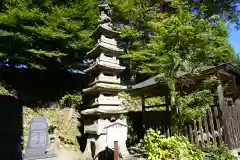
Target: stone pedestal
<point>106,133</point>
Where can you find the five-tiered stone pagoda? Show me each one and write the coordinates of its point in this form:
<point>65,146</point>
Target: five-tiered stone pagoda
<point>103,123</point>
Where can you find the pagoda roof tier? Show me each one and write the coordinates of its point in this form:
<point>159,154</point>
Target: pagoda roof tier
<point>106,79</point>
<point>106,48</point>
<point>104,110</point>
<point>104,29</point>
<point>111,101</point>
<point>100,65</point>
<point>104,88</point>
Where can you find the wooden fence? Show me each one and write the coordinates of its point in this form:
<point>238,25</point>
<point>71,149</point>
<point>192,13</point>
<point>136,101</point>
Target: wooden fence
<point>206,130</point>
<point>231,119</point>
<point>158,120</point>
<point>216,126</point>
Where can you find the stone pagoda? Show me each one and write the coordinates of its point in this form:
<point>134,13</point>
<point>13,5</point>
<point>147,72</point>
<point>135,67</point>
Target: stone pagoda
<point>103,123</point>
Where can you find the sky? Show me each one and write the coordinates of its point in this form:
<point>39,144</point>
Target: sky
<point>234,39</point>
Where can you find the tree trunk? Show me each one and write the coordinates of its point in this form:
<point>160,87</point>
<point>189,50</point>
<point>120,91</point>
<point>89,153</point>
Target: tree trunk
<point>173,94</point>
<point>174,108</point>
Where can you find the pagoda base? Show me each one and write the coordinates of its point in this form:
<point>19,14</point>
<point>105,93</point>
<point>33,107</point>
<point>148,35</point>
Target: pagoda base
<point>100,143</point>
<point>96,148</point>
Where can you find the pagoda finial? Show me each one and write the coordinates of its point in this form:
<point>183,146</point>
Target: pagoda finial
<point>104,2</point>
<point>105,7</point>
<point>104,18</point>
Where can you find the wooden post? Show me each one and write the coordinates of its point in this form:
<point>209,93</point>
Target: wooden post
<point>168,103</point>
<point>115,150</point>
<point>143,114</point>
<point>222,107</point>
<point>234,88</point>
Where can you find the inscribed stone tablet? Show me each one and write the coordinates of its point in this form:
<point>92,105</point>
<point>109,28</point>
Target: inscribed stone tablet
<point>38,137</point>
<point>116,132</point>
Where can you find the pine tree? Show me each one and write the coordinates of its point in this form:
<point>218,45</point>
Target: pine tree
<point>47,34</point>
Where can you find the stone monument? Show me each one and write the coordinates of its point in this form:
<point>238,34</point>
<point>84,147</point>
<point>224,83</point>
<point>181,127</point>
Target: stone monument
<point>103,123</point>
<point>38,140</point>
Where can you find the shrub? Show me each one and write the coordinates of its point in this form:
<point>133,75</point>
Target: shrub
<point>158,147</point>
<point>70,100</point>
<point>219,153</point>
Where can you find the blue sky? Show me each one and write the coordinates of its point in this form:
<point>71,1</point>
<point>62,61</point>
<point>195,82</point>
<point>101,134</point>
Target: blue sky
<point>234,38</point>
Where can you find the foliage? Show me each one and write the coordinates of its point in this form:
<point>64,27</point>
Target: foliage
<point>54,34</point>
<point>158,41</point>
<point>4,91</point>
<point>46,34</point>
<point>158,147</point>
<point>70,100</point>
<point>154,100</point>
<point>236,60</point>
<point>219,153</point>
<point>65,136</point>
<point>7,90</point>
<point>133,103</point>
<point>195,104</point>
<point>209,82</point>
<point>130,102</point>
<point>166,38</point>
<point>227,9</point>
